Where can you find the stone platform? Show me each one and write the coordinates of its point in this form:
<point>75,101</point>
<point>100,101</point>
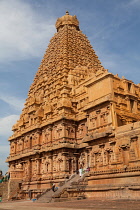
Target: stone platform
<point>80,204</point>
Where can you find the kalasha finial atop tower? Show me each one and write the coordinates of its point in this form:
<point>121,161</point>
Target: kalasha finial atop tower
<point>67,13</point>
<point>67,19</point>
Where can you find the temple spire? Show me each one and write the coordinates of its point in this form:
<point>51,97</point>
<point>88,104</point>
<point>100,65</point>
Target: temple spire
<point>68,61</point>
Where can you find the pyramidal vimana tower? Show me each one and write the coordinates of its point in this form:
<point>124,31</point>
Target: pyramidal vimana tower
<point>77,115</point>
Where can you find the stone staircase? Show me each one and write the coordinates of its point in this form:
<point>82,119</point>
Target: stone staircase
<point>71,183</point>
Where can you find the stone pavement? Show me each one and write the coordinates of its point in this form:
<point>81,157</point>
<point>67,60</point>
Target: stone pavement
<point>77,204</point>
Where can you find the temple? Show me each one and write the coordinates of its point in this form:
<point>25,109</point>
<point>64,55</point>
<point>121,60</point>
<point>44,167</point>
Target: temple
<point>77,115</point>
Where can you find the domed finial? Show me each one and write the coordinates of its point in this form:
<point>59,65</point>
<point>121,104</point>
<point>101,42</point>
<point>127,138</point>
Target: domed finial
<point>67,20</point>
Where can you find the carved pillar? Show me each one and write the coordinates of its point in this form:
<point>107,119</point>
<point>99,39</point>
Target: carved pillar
<point>42,165</point>
<point>132,88</point>
<point>50,129</point>
<point>95,159</point>
<point>43,140</point>
<point>98,120</point>
<point>29,170</point>
<point>38,136</point>
<point>22,142</point>
<point>74,165</point>
<point>15,149</point>
<point>30,140</point>
<point>101,146</point>
<point>134,148</point>
<point>88,157</point>
<point>113,114</point>
<point>50,157</point>
<point>38,165</point>
<point>63,129</point>
<point>135,108</point>
<point>125,153</point>
<point>113,149</point>
<point>64,161</point>
<point>127,102</point>
<point>92,161</point>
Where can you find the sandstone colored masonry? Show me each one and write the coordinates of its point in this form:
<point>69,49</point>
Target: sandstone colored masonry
<point>77,114</point>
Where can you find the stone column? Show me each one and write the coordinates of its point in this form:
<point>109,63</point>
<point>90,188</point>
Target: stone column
<point>38,133</point>
<point>101,146</point>
<point>64,162</point>
<point>29,175</point>
<point>135,108</point>
<point>127,102</point>
<point>22,140</point>
<point>63,129</point>
<point>38,165</point>
<point>50,129</point>
<point>135,147</point>
<point>43,139</point>
<point>98,119</point>
<point>113,114</point>
<point>51,166</point>
<point>94,162</point>
<point>15,150</point>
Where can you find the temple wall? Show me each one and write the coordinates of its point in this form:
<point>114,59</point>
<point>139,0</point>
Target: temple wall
<point>99,88</point>
<point>111,153</point>
<point>4,190</point>
<point>13,187</point>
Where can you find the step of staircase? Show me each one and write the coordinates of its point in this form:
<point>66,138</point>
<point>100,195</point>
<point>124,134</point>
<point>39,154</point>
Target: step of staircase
<point>51,196</point>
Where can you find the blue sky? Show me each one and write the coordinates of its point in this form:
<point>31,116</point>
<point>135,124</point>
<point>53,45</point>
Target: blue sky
<point>26,26</point>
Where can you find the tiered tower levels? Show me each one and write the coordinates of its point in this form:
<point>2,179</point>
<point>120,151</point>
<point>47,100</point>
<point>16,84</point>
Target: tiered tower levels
<point>69,60</point>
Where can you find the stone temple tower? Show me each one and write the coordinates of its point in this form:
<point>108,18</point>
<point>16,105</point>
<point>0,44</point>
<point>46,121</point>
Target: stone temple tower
<point>76,115</point>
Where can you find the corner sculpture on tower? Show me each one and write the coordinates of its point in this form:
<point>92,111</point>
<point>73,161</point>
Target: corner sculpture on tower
<point>76,115</point>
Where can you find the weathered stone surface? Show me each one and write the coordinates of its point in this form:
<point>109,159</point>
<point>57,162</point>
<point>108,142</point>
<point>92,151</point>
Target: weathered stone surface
<point>76,115</point>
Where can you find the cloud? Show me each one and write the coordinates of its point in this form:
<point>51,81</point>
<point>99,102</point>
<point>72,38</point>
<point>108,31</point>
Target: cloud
<point>16,103</point>
<point>4,149</point>
<point>134,2</point>
<point>6,124</point>
<point>23,32</point>
<point>4,152</point>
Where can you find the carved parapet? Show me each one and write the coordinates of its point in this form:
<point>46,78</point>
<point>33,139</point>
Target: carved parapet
<point>40,112</point>
<point>33,108</point>
<point>93,136</point>
<point>33,101</point>
<point>47,109</point>
<point>15,127</point>
<point>16,174</point>
<point>21,122</point>
<point>26,118</point>
<point>64,102</point>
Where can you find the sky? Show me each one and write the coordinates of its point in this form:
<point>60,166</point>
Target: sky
<point>26,26</point>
